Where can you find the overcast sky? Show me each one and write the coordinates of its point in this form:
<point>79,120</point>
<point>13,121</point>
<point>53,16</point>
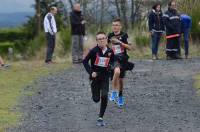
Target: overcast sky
<point>9,6</point>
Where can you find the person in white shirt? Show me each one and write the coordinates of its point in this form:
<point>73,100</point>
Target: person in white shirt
<point>50,30</point>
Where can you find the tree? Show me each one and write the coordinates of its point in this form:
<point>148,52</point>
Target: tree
<point>102,14</point>
<point>38,14</point>
<point>71,3</point>
<point>124,11</point>
<point>132,13</point>
<point>118,8</point>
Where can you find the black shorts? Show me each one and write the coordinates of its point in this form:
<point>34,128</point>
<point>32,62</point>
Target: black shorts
<point>100,87</point>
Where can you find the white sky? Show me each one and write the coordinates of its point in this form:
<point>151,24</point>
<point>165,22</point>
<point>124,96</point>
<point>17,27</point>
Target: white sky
<point>10,6</point>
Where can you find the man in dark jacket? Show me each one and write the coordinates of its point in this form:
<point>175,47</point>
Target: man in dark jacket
<point>173,26</point>
<point>78,32</point>
<point>156,28</point>
<point>100,58</point>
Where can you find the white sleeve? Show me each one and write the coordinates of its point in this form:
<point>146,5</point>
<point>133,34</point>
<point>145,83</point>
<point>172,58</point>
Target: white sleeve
<point>54,25</point>
<point>45,25</point>
<point>50,24</point>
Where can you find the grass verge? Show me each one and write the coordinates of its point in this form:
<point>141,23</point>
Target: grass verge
<point>12,83</point>
<point>197,83</point>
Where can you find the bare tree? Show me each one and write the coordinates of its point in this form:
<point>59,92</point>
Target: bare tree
<point>102,14</point>
<point>38,14</point>
<point>136,11</point>
<point>84,4</point>
<point>118,8</point>
<point>124,11</point>
<point>132,14</point>
<point>71,3</point>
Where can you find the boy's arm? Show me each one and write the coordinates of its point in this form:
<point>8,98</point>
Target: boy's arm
<point>125,44</point>
<point>86,63</point>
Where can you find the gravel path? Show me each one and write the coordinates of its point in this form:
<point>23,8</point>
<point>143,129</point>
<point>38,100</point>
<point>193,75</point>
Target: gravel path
<point>159,98</point>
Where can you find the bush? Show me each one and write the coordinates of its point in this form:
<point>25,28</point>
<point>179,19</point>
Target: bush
<point>24,47</point>
<point>13,34</point>
<point>142,40</point>
<point>65,41</point>
<point>195,31</point>
<point>16,38</point>
<point>4,47</point>
<point>35,44</point>
<point>21,46</point>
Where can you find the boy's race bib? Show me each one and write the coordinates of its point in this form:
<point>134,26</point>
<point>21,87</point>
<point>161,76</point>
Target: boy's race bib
<point>117,49</point>
<point>102,61</point>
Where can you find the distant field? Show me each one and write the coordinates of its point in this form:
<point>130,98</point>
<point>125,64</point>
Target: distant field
<point>14,19</point>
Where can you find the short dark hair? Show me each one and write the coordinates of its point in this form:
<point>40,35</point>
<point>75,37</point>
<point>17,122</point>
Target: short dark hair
<point>170,3</point>
<point>155,5</point>
<point>52,8</point>
<point>117,20</point>
<point>100,32</point>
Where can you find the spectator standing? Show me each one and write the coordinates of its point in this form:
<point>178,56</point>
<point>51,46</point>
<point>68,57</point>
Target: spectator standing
<point>50,30</point>
<point>78,31</point>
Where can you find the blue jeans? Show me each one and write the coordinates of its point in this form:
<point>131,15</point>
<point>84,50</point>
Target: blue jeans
<point>155,42</point>
<point>185,34</point>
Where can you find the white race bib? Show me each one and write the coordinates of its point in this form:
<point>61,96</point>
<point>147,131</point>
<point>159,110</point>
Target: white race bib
<point>117,49</point>
<point>102,61</point>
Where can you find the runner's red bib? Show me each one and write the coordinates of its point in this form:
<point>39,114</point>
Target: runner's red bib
<point>102,61</point>
<point>117,49</point>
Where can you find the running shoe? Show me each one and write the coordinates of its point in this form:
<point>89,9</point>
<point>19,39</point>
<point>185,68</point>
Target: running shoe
<point>100,122</point>
<point>120,101</point>
<point>113,96</point>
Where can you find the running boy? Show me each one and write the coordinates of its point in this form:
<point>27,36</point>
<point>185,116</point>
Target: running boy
<point>119,43</point>
<point>100,58</point>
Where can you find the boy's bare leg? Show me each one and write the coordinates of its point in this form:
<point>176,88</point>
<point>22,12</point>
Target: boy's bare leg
<point>1,61</point>
<point>115,84</point>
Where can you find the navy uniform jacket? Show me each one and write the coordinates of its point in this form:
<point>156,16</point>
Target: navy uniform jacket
<point>172,22</point>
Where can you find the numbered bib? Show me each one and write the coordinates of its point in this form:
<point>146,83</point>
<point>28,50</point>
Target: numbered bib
<point>117,49</point>
<point>102,61</point>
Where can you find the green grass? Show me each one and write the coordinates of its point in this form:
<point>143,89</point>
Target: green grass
<point>197,83</point>
<point>12,83</point>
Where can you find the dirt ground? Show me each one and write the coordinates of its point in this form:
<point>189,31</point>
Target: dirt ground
<point>159,97</point>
